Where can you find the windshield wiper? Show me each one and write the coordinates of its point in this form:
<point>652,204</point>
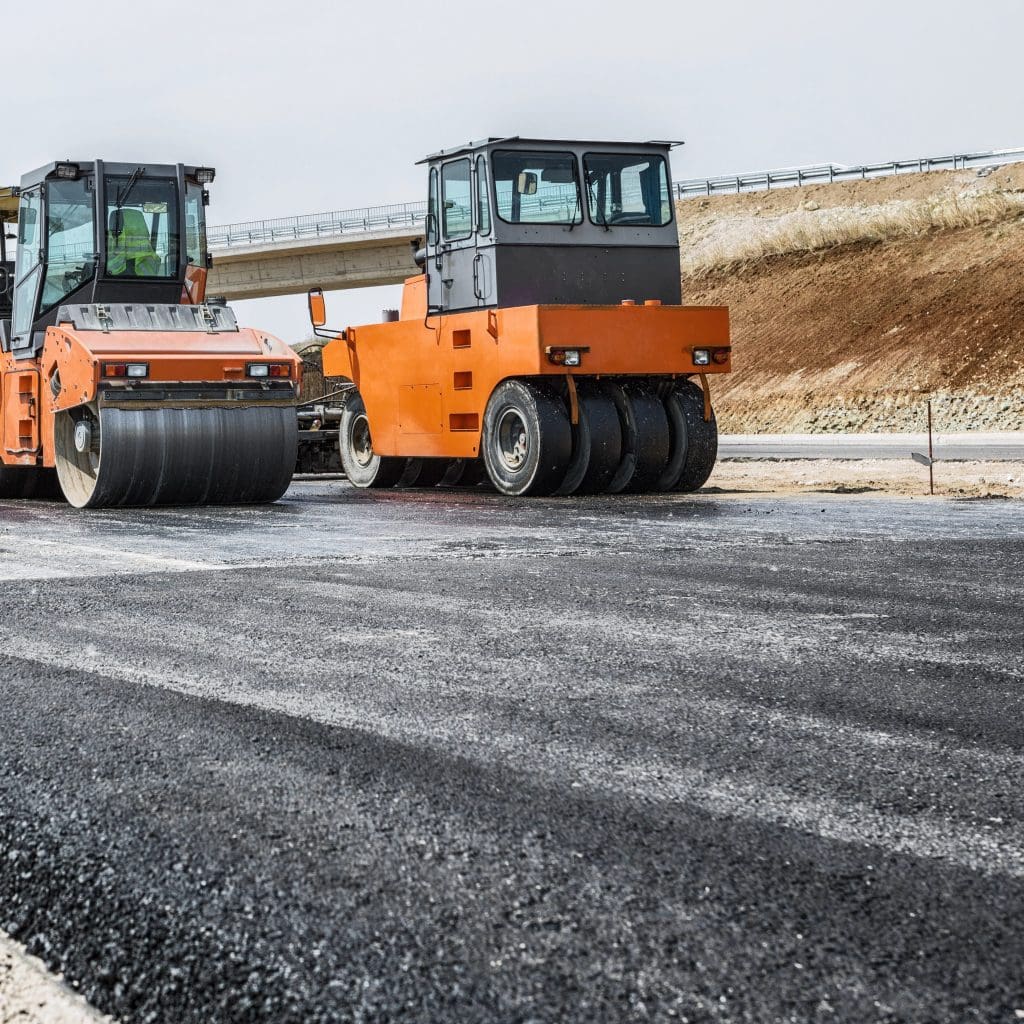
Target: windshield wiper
<point>126,191</point>
<point>575,209</point>
<point>594,206</point>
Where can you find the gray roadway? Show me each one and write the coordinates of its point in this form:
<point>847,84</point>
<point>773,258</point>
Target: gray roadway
<point>964,447</point>
<point>447,757</point>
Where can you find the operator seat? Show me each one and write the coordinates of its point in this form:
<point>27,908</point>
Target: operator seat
<point>6,289</point>
<point>130,249</point>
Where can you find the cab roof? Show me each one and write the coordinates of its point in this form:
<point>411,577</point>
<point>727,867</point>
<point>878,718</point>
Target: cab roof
<point>86,166</point>
<point>520,142</point>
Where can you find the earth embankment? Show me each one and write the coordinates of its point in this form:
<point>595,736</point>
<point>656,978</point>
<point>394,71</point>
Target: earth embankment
<point>853,303</point>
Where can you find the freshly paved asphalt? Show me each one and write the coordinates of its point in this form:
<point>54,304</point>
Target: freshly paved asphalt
<point>448,757</point>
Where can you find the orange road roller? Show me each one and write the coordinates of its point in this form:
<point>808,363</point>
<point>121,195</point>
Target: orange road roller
<point>544,346</point>
<point>120,384</point>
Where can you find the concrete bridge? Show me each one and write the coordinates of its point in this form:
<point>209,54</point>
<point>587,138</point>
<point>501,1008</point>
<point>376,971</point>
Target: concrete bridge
<point>346,249</point>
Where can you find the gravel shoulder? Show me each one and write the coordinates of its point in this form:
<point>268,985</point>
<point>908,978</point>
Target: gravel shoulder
<point>879,477</point>
<point>30,994</point>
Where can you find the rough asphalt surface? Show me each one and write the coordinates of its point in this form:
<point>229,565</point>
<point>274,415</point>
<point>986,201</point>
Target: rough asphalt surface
<point>451,758</point>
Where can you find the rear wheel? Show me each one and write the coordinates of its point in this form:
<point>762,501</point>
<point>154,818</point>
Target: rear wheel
<point>597,444</point>
<point>425,472</point>
<point>362,467</point>
<point>464,473</point>
<point>645,438</point>
<point>527,439</point>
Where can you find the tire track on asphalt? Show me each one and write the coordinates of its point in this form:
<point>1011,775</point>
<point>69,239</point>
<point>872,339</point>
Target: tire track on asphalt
<point>478,736</point>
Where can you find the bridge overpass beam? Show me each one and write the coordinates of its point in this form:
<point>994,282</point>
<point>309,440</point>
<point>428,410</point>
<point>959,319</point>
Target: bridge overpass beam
<point>290,267</point>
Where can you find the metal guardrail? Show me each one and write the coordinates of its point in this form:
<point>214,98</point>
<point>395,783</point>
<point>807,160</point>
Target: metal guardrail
<point>317,225</point>
<point>816,174</point>
<point>411,215</point>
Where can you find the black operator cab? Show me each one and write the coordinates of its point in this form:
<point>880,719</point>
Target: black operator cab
<point>106,233</point>
<point>515,222</point>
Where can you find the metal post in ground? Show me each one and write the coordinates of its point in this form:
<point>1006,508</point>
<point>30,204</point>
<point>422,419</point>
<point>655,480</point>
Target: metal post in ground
<point>931,452</point>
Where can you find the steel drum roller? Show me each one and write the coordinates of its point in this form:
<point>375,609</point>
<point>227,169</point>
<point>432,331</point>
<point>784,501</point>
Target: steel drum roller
<point>215,455</point>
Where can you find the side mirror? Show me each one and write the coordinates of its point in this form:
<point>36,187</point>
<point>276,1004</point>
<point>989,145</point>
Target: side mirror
<point>526,183</point>
<point>317,307</point>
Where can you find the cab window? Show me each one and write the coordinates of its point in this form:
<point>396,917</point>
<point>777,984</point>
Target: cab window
<point>456,200</point>
<point>70,239</point>
<point>195,225</point>
<point>142,227</point>
<point>432,222</point>
<point>627,189</point>
<point>536,187</point>
<point>483,202</point>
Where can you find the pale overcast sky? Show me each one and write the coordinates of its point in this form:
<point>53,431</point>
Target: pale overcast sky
<point>311,106</point>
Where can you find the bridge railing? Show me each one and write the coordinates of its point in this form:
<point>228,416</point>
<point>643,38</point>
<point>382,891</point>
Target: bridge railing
<point>318,225</point>
<point>411,215</point>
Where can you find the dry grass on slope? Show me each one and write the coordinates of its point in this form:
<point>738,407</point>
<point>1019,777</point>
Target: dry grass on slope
<point>811,229</point>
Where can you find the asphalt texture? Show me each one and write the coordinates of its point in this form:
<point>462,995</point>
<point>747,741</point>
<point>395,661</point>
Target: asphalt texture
<point>447,757</point>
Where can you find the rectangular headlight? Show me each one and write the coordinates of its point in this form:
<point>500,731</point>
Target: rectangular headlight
<point>567,356</point>
<point>258,370</point>
<point>137,369</point>
<point>701,357</point>
<point>205,175</point>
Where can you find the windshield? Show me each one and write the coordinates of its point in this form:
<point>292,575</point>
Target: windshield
<point>142,227</point>
<point>70,239</point>
<point>627,189</point>
<point>536,188</point>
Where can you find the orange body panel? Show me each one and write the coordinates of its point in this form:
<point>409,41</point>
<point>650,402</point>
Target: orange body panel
<point>426,382</point>
<point>28,405</point>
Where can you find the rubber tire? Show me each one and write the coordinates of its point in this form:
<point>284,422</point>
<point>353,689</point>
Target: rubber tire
<point>597,444</point>
<point>674,410</point>
<point>381,470</point>
<point>645,438</point>
<point>426,472</point>
<point>465,473</point>
<point>549,439</point>
<point>701,438</point>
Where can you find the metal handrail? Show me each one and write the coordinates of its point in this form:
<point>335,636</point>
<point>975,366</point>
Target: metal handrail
<point>411,215</point>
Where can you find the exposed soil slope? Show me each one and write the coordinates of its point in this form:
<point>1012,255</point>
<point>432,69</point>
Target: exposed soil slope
<point>855,336</point>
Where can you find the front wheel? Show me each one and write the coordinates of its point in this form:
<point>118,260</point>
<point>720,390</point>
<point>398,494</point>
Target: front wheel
<point>362,467</point>
<point>527,439</point>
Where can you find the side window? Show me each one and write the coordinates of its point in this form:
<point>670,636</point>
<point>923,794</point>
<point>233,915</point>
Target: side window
<point>27,267</point>
<point>70,239</point>
<point>29,234</point>
<point>195,225</point>
<point>457,200</point>
<point>483,204</point>
<point>432,220</point>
